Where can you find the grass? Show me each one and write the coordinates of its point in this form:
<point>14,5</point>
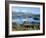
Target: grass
<point>23,28</point>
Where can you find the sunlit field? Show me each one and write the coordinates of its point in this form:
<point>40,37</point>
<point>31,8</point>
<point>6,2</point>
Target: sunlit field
<point>25,27</point>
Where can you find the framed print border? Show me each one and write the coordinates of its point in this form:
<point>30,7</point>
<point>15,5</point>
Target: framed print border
<point>7,18</point>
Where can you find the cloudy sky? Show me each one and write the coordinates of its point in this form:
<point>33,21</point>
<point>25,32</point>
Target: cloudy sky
<point>25,10</point>
<point>33,10</point>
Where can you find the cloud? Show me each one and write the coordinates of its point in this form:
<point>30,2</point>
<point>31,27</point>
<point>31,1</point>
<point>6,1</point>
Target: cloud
<point>27,10</point>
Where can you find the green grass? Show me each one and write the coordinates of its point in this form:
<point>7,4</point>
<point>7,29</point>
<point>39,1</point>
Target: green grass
<point>23,28</point>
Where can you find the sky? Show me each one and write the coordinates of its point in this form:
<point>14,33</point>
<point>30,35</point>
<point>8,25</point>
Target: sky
<point>26,10</point>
